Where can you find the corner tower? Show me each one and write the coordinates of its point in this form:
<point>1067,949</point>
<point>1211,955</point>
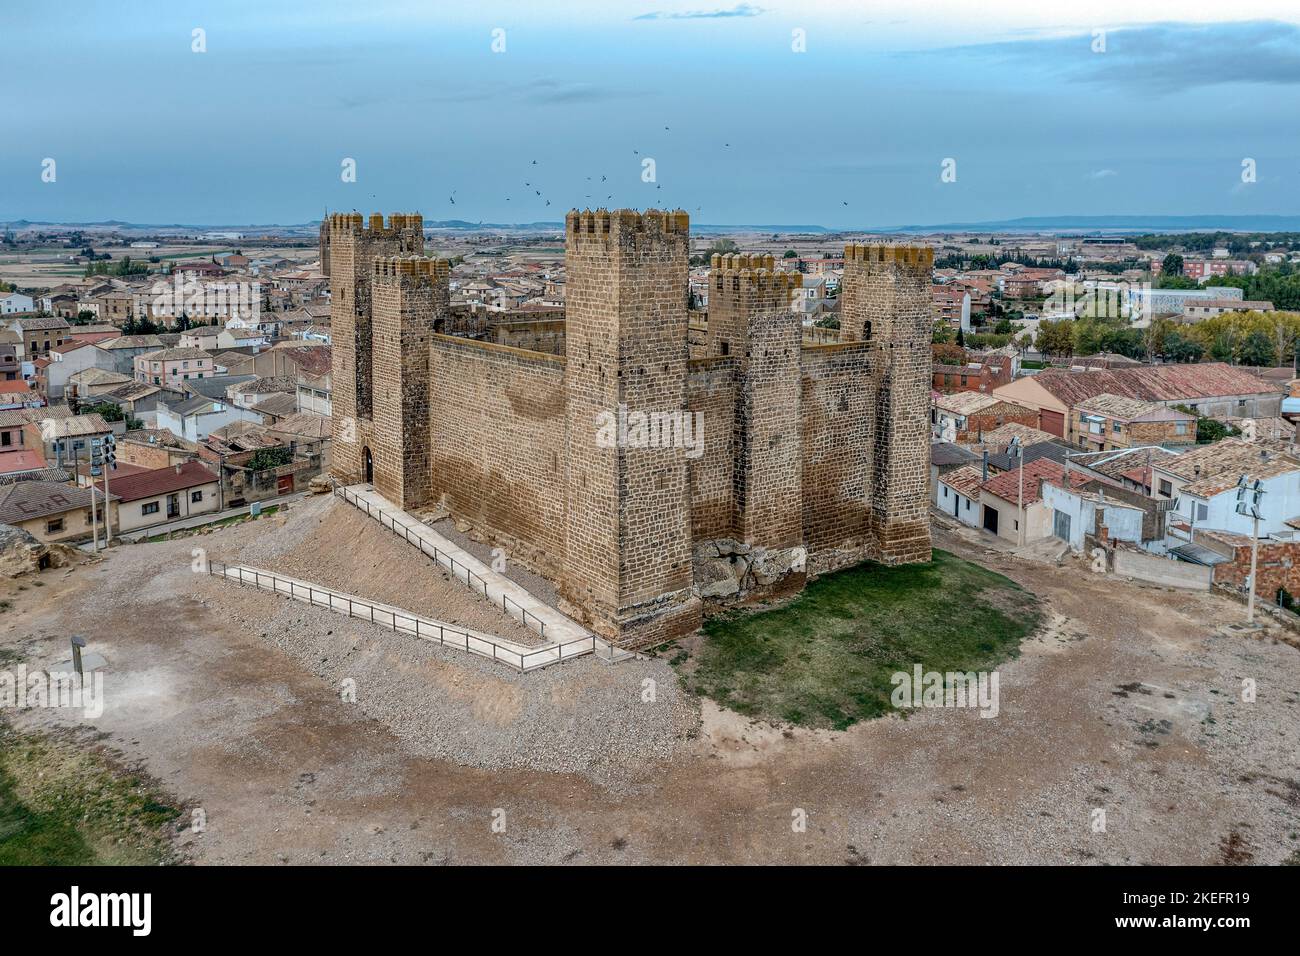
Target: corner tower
<point>886,304</point>
<point>627,530</point>
<point>352,246</point>
<point>410,298</point>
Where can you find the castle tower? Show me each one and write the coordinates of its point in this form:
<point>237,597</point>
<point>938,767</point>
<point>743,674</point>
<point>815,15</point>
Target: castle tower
<point>409,299</point>
<point>352,246</point>
<point>885,302</point>
<point>754,323</point>
<point>627,528</point>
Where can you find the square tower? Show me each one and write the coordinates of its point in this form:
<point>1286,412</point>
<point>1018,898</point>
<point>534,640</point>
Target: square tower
<point>886,304</point>
<point>409,300</point>
<point>352,246</point>
<point>628,538</point>
<point>751,320</point>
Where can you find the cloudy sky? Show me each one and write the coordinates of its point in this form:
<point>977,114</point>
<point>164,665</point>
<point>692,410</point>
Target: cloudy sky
<point>835,113</point>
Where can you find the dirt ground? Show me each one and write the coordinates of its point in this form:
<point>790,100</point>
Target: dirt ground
<point>1129,701</point>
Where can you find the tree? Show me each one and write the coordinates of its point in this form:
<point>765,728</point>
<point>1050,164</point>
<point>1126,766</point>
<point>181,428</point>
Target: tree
<point>1056,337</point>
<point>790,254</point>
<point>269,458</point>
<point>947,353</point>
<point>1172,265</point>
<point>1257,349</point>
<point>1177,348</point>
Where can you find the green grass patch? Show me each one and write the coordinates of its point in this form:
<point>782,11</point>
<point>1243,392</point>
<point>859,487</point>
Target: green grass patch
<point>62,806</point>
<point>826,658</point>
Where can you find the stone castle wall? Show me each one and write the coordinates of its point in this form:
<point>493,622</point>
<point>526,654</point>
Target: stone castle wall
<point>497,438</point>
<point>812,457</point>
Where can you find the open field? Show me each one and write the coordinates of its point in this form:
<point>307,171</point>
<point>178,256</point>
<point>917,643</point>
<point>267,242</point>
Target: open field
<point>1126,699</point>
<point>43,267</point>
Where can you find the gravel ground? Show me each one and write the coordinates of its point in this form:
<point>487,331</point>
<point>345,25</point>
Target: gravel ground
<point>584,716</point>
<point>1128,701</point>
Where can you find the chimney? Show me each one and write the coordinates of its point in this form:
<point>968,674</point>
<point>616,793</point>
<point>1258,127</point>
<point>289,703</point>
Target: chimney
<point>178,468</point>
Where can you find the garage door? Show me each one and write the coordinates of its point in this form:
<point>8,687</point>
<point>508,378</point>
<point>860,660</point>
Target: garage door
<point>990,519</point>
<point>1061,525</point>
<point>1053,422</point>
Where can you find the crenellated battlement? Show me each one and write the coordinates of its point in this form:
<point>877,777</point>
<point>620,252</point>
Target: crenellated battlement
<point>604,223</point>
<point>352,223</point>
<point>905,255</point>
<point>416,267</point>
<point>756,271</point>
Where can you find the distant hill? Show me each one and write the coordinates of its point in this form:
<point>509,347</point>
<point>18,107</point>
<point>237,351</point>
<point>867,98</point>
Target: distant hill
<point>1047,224</point>
<point>1115,224</point>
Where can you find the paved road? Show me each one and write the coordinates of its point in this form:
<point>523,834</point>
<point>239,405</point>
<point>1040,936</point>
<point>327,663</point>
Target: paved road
<point>195,521</point>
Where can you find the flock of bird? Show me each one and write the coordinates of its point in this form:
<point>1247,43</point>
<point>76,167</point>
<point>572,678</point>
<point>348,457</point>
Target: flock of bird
<point>528,184</point>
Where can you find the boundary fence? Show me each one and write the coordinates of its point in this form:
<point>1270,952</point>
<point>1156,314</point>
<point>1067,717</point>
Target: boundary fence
<point>456,568</point>
<point>404,622</point>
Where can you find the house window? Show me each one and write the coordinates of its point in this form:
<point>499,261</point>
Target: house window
<point>945,491</point>
<point>6,439</point>
<point>196,497</point>
<point>150,509</point>
<point>1166,488</point>
<point>1115,428</point>
<point>1202,511</point>
<point>54,527</point>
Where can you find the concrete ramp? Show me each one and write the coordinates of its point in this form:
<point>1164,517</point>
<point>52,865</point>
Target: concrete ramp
<point>513,598</point>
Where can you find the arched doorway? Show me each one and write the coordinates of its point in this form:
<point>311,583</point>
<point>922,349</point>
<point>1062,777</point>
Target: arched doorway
<point>368,464</point>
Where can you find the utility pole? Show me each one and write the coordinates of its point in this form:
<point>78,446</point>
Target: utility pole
<point>110,464</point>
<point>95,459</point>
<point>1254,559</point>
<point>1020,492</point>
<point>1249,494</point>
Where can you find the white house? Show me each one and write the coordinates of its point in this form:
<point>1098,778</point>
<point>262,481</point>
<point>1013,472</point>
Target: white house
<point>1203,486</point>
<point>12,303</point>
<point>958,494</point>
<point>196,418</point>
<point>1075,514</point>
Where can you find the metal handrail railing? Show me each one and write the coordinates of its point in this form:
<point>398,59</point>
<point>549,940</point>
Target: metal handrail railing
<point>409,623</point>
<point>438,555</point>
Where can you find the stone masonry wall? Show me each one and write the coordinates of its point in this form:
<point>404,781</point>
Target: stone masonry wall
<point>352,247</point>
<point>497,445</point>
<point>886,304</point>
<point>711,391</point>
<point>628,520</point>
<point>836,435</point>
<point>410,298</point>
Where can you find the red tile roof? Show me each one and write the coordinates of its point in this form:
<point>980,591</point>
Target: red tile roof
<point>160,481</point>
<point>1007,485</point>
<point>1153,383</point>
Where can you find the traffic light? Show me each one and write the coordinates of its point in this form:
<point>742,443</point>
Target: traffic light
<point>110,452</point>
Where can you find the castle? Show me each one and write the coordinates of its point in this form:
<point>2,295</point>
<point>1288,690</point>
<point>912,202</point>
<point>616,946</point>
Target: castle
<point>582,454</point>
